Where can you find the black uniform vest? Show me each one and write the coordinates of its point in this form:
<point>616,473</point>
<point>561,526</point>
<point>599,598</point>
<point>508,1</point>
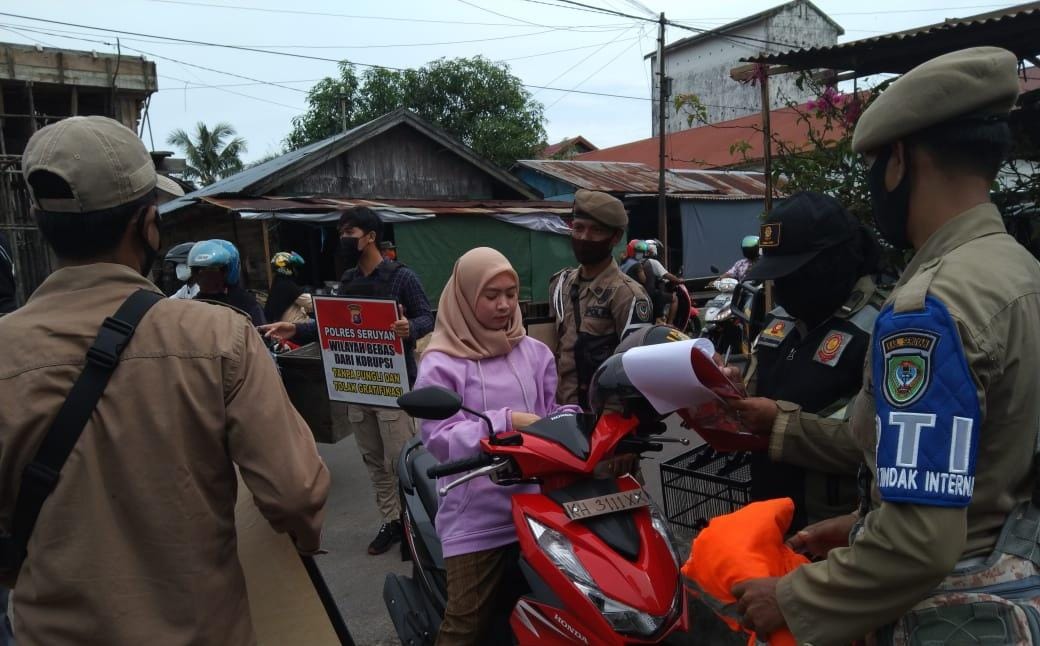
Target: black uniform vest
<point>820,370</point>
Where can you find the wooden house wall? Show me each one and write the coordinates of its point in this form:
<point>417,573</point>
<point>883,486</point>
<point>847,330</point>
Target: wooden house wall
<point>400,163</point>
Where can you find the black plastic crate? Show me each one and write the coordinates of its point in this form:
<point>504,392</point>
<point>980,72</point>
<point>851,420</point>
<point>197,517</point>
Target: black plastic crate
<point>702,484</point>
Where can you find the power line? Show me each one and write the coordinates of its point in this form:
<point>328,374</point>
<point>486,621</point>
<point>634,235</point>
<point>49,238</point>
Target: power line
<point>569,69</point>
<point>296,12</point>
<point>294,108</point>
<point>173,60</point>
<point>715,32</point>
<point>583,81</point>
<point>368,46</point>
<point>293,55</point>
<point>557,51</point>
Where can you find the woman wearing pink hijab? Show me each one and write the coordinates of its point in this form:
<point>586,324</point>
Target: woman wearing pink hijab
<point>480,350</point>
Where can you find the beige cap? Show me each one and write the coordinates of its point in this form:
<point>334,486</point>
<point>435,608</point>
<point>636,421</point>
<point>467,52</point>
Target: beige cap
<point>980,81</point>
<point>601,207</point>
<point>167,185</point>
<point>102,161</point>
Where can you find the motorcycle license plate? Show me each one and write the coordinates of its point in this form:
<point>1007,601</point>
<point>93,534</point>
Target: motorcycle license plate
<point>609,504</point>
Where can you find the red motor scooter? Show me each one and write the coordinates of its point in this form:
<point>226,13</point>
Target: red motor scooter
<point>596,552</point>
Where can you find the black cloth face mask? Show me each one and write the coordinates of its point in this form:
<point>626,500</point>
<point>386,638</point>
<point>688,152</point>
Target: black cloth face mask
<point>348,250</point>
<point>151,254</point>
<point>591,252</point>
<point>891,209</point>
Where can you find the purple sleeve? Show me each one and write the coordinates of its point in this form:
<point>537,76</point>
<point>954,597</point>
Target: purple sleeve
<point>458,436</point>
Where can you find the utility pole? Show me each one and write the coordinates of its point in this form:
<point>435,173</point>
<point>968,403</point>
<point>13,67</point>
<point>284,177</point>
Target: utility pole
<point>342,112</point>
<point>662,99</point>
<point>767,140</point>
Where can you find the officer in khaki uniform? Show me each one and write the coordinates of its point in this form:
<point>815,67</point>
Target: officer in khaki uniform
<point>137,544</point>
<point>594,305</point>
<point>947,420</point>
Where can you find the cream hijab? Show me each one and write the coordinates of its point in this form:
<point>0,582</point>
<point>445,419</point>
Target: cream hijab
<point>458,333</point>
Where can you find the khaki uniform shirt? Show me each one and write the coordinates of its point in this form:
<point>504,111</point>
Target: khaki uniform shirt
<point>136,545</point>
<point>990,287</point>
<point>592,317</point>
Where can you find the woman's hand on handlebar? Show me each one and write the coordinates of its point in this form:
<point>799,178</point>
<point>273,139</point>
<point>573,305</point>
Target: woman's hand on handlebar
<point>522,420</point>
<point>280,330</point>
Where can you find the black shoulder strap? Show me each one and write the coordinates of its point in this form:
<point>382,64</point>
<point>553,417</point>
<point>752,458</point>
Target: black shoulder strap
<point>41,475</point>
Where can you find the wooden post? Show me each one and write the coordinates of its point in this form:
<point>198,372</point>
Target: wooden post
<point>32,107</point>
<point>662,97</point>
<point>267,251</point>
<point>767,141</point>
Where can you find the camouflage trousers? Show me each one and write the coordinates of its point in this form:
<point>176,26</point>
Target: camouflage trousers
<point>992,603</point>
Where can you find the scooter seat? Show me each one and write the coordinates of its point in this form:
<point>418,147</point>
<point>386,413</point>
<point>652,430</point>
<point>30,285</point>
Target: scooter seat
<point>419,461</point>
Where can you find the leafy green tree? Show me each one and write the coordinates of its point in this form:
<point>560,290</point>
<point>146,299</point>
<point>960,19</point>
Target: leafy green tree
<point>210,155</point>
<point>479,102</point>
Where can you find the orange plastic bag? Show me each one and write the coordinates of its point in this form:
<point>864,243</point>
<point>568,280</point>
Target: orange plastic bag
<point>746,544</point>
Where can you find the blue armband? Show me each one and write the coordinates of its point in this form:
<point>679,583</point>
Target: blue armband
<point>928,411</point>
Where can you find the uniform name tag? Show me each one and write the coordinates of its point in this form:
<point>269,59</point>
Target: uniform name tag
<point>831,348</point>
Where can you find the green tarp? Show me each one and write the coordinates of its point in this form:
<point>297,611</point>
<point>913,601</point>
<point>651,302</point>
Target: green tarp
<point>431,247</point>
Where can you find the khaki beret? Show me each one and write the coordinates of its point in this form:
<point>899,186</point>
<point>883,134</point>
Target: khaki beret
<point>975,82</point>
<point>601,207</point>
<point>102,161</point>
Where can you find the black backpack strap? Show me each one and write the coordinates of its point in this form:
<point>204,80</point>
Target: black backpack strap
<point>41,475</point>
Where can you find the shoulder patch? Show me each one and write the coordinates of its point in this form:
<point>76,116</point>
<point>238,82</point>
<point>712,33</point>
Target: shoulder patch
<point>928,411</point>
<point>908,365</point>
<point>642,310</point>
<point>774,333</point>
<point>831,348</point>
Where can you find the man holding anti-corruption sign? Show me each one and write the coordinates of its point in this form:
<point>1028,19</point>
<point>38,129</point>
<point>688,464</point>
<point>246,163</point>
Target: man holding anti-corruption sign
<point>947,418</point>
<point>380,431</point>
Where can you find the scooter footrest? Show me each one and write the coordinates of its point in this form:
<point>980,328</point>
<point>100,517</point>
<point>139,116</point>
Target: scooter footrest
<point>416,625</point>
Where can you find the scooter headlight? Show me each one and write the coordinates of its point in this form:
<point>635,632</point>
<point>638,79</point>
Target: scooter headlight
<point>560,551</point>
<point>624,619</point>
<point>660,525</point>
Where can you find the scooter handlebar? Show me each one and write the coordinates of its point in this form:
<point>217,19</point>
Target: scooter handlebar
<point>458,466</point>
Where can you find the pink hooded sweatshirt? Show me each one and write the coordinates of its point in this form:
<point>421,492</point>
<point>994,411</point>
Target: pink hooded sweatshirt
<point>477,516</point>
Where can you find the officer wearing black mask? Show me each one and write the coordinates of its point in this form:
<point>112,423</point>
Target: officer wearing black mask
<point>811,351</point>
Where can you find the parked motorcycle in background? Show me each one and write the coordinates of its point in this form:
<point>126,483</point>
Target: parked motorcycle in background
<point>720,326</point>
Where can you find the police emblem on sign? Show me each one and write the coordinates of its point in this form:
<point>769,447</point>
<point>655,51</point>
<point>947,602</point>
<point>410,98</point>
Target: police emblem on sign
<point>908,358</point>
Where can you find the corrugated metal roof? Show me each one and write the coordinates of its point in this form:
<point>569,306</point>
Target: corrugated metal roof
<point>411,207</point>
<point>614,177</point>
<point>259,179</point>
<point>1015,28</point>
<point>713,146</point>
<point>744,22</point>
<point>243,181</point>
<point>552,149</point>
<point>732,185</point>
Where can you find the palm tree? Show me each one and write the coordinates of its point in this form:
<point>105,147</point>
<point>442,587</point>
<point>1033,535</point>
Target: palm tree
<point>207,156</point>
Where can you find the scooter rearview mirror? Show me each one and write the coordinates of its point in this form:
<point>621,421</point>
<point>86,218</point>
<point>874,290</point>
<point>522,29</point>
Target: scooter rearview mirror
<point>431,402</point>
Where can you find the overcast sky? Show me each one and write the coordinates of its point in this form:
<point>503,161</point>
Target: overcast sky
<point>544,45</point>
